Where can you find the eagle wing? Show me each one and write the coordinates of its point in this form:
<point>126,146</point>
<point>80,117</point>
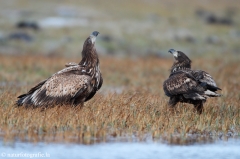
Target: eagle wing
<point>39,85</point>
<point>96,88</point>
<point>100,82</point>
<point>69,64</point>
<point>65,86</point>
<point>181,83</point>
<point>62,88</point>
<point>205,78</point>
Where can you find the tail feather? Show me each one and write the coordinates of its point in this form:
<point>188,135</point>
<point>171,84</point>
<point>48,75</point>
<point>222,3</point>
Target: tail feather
<point>26,98</point>
<point>213,88</point>
<point>211,94</point>
<point>20,100</point>
<point>23,99</point>
<point>23,95</point>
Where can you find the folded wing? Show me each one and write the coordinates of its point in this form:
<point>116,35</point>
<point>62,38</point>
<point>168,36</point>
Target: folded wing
<point>206,79</point>
<point>67,86</point>
<point>183,83</point>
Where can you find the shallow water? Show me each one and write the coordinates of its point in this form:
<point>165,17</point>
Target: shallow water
<point>124,150</point>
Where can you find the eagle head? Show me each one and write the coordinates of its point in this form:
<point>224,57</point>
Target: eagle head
<point>90,41</point>
<point>173,52</point>
<point>93,36</point>
<point>179,56</point>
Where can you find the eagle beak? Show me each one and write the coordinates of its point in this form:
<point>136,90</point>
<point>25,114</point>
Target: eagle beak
<point>174,52</point>
<point>93,36</point>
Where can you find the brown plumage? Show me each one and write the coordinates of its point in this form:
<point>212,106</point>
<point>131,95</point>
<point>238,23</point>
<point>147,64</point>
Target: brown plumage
<point>71,64</point>
<point>74,85</point>
<point>188,86</point>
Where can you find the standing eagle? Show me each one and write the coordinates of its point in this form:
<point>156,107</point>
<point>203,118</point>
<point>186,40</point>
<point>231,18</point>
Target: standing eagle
<point>74,85</point>
<point>186,85</point>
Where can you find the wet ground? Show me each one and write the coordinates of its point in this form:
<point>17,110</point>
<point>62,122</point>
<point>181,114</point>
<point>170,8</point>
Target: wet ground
<point>124,150</point>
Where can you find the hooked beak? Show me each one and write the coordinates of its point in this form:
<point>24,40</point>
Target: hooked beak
<point>173,52</point>
<point>93,36</point>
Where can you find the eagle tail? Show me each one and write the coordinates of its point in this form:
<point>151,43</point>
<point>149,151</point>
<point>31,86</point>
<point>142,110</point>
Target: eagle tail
<point>22,99</point>
<point>26,98</point>
<point>20,102</point>
<point>211,94</point>
<point>213,88</point>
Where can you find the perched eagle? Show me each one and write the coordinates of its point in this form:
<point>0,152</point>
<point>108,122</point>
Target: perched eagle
<point>74,85</point>
<point>188,86</point>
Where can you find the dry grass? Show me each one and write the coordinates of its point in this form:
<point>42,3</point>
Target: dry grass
<point>139,108</point>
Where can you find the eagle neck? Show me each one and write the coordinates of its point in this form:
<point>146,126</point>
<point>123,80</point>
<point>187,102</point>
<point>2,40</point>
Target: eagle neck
<point>185,65</point>
<point>89,57</point>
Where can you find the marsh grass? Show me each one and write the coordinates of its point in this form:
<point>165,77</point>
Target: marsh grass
<point>138,112</point>
<point>131,105</point>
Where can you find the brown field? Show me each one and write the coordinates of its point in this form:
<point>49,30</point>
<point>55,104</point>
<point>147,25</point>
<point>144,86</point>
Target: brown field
<point>131,105</point>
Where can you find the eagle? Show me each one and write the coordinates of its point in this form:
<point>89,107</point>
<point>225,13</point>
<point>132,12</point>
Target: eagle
<point>186,85</point>
<point>73,85</point>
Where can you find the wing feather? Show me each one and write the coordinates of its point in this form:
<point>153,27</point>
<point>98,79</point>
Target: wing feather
<point>39,85</point>
<point>71,84</point>
<point>76,68</point>
<point>62,86</point>
<point>69,64</point>
<point>206,78</point>
<point>180,83</point>
<point>100,82</point>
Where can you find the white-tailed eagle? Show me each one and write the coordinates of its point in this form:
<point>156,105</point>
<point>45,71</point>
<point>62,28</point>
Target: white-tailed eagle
<point>188,86</point>
<point>74,85</point>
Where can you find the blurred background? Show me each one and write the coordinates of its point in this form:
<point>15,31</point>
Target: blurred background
<point>128,28</point>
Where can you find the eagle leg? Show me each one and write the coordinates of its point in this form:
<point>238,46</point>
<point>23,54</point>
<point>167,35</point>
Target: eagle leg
<point>173,101</point>
<point>78,103</point>
<point>199,106</point>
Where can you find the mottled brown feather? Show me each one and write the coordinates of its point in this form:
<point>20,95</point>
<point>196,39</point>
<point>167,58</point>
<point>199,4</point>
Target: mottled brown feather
<point>70,64</point>
<point>74,84</point>
<point>186,85</point>
<point>181,83</point>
